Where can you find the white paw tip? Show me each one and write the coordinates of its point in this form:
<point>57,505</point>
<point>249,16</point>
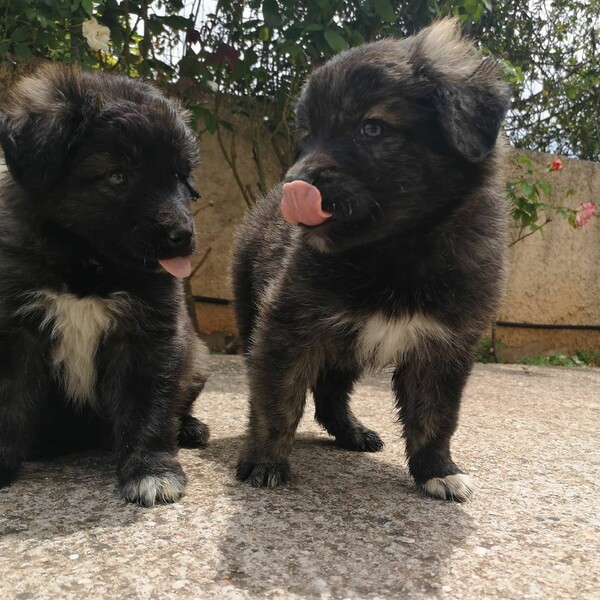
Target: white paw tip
<point>151,489</point>
<point>452,487</point>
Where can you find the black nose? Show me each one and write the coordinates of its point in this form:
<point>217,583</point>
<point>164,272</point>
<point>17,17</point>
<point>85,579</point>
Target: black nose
<point>179,237</point>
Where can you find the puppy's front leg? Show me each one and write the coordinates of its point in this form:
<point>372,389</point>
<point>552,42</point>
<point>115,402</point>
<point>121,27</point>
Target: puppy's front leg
<point>24,382</point>
<point>142,396</point>
<point>278,385</point>
<point>428,394</point>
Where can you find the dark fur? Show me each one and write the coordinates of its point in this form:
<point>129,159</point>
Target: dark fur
<point>417,237</point>
<point>69,237</point>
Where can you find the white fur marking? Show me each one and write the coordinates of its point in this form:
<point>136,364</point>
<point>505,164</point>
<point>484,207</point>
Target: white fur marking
<point>452,487</point>
<point>383,341</point>
<point>77,326</point>
<point>151,489</point>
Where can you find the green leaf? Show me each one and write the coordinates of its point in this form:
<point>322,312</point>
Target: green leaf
<point>545,186</point>
<point>210,121</point>
<point>20,34</point>
<point>174,21</point>
<point>271,14</point>
<point>88,6</point>
<point>528,189</point>
<point>335,40</point>
<point>189,65</point>
<point>264,34</point>
<point>385,10</point>
<point>200,113</point>
<point>470,6</point>
<point>23,50</point>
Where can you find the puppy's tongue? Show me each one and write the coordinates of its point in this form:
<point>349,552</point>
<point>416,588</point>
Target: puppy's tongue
<point>301,203</point>
<point>179,267</point>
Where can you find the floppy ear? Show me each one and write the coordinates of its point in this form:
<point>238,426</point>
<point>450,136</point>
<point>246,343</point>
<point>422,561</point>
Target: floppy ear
<point>470,96</point>
<point>44,116</point>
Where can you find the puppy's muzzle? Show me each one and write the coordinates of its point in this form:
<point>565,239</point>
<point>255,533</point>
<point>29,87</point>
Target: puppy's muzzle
<point>178,238</point>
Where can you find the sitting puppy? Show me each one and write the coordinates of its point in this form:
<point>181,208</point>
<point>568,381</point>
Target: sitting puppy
<point>390,251</point>
<point>95,233</point>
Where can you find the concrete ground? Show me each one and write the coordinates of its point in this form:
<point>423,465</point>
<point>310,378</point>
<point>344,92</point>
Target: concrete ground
<point>350,525</point>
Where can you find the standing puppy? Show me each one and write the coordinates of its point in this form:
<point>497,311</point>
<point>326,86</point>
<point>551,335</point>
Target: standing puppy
<point>385,246</point>
<point>95,232</point>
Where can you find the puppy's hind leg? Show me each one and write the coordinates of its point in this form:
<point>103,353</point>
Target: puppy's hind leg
<point>193,433</point>
<point>331,393</point>
<point>23,390</point>
<point>428,396</point>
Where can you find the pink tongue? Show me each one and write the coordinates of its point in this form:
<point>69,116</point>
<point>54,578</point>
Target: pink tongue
<point>179,267</point>
<point>301,203</point>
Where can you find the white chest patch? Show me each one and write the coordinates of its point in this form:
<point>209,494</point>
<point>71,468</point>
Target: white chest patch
<point>76,326</point>
<point>383,341</point>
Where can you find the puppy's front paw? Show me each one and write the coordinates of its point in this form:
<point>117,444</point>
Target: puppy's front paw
<point>148,487</point>
<point>361,440</point>
<point>192,433</point>
<point>263,474</point>
<point>457,487</point>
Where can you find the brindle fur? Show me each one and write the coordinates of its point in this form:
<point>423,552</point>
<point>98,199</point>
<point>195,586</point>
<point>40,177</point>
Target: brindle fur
<point>410,268</point>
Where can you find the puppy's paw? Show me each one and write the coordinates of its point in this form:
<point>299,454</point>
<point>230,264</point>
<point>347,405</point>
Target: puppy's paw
<point>457,487</point>
<point>263,474</point>
<point>148,487</point>
<point>192,433</point>
<point>361,440</point>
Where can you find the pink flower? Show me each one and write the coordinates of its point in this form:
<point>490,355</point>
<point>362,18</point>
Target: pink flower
<point>584,213</point>
<point>556,164</point>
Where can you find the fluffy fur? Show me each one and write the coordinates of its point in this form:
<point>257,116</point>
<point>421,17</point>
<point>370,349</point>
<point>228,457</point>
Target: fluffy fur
<point>95,339</point>
<point>400,137</point>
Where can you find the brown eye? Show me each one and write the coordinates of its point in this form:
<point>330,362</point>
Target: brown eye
<point>371,128</point>
<point>117,178</point>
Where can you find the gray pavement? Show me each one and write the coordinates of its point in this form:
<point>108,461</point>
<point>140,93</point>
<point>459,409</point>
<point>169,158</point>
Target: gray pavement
<point>350,525</point>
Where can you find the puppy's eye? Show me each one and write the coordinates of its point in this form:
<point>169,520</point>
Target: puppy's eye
<point>184,179</point>
<point>371,128</point>
<point>116,178</point>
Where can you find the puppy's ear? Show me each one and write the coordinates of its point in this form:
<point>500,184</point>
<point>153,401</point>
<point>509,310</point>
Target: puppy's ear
<point>44,116</point>
<point>469,94</point>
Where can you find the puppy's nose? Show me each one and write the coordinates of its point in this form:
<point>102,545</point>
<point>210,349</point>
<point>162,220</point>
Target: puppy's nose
<point>179,237</point>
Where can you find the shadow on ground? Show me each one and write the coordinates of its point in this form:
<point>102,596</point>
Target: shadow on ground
<point>350,524</point>
<point>55,498</point>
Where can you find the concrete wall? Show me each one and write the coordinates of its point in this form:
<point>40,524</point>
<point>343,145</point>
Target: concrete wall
<point>554,277</point>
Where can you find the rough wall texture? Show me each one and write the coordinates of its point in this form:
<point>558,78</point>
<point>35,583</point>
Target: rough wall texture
<point>554,278</point>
